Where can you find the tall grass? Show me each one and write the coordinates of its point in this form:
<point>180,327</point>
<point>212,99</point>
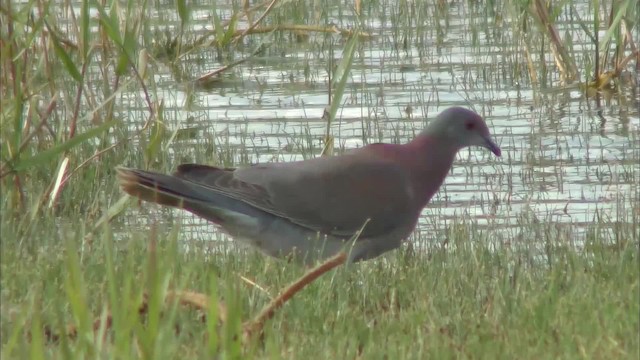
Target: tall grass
<point>80,93</point>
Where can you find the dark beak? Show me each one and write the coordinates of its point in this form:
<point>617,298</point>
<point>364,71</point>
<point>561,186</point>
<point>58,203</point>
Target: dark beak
<point>489,144</point>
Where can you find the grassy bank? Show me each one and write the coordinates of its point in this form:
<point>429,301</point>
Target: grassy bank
<point>461,300</point>
<point>87,273</point>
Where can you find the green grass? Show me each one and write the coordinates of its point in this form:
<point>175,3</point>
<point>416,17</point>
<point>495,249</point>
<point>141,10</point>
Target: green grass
<point>464,300</point>
<point>63,111</point>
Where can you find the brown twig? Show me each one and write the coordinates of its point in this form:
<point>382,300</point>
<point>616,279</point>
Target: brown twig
<point>256,325</point>
<point>564,62</point>
<point>304,28</point>
<point>202,302</point>
<point>253,29</point>
<point>226,67</point>
<point>193,299</point>
<point>247,12</point>
<point>301,28</point>
<point>255,24</point>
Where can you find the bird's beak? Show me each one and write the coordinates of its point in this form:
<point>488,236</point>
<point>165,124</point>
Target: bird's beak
<point>491,145</point>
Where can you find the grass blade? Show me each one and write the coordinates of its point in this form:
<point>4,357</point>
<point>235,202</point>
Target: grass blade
<point>49,155</point>
<point>69,65</point>
<point>84,31</point>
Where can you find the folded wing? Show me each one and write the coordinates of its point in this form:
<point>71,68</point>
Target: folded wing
<point>332,195</point>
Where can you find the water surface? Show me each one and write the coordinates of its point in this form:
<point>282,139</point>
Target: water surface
<point>569,161</point>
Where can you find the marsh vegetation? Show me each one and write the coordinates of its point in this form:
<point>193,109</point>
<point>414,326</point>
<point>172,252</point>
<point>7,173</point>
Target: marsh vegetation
<point>528,256</point>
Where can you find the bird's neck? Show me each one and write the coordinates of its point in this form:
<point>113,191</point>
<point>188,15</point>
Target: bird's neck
<point>431,161</point>
<point>427,159</point>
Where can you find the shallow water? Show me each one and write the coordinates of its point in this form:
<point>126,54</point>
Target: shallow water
<point>569,161</point>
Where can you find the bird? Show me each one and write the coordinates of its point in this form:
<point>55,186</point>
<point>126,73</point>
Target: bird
<point>364,202</point>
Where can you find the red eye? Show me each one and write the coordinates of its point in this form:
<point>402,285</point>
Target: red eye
<point>470,125</point>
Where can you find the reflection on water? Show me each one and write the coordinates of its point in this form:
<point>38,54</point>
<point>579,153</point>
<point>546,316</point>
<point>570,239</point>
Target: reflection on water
<point>567,160</point>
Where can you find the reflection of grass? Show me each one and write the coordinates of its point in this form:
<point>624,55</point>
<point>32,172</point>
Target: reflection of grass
<point>65,125</point>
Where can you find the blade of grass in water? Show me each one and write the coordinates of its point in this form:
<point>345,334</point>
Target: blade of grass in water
<point>342,74</point>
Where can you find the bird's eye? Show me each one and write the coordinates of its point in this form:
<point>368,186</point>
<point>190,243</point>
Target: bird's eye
<point>469,125</point>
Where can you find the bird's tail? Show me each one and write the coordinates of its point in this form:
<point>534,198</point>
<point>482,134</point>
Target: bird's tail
<point>154,187</point>
<point>170,190</point>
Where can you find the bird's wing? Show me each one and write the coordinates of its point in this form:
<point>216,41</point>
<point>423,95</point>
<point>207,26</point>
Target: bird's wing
<point>332,195</point>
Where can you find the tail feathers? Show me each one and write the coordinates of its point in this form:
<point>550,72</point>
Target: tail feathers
<point>170,190</point>
<point>154,187</point>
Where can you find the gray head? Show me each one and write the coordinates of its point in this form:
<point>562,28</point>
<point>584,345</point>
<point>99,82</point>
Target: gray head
<point>461,128</point>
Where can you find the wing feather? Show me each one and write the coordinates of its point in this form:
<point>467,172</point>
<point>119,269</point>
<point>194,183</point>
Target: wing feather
<point>332,195</point>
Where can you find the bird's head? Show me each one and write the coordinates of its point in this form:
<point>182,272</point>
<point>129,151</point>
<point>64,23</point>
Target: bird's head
<point>462,128</point>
